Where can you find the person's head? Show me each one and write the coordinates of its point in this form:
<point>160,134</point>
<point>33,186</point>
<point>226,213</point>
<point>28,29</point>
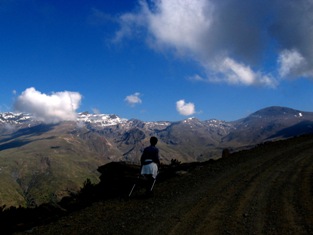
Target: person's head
<point>153,140</point>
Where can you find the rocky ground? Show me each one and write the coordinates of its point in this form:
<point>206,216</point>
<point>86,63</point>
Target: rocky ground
<point>267,190</point>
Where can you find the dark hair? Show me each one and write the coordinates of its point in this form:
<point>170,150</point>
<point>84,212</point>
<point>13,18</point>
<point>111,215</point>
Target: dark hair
<point>153,140</point>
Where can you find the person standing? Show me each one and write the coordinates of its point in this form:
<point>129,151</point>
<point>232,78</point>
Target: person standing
<point>150,162</point>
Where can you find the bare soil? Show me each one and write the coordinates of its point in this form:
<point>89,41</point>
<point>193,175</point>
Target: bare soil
<point>266,190</point>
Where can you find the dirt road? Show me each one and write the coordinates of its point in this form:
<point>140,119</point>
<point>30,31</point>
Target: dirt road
<point>268,190</point>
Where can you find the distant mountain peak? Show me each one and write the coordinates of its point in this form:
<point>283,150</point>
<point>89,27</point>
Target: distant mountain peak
<point>104,120</point>
<point>85,117</point>
<point>100,119</point>
<point>191,119</point>
<point>15,118</point>
<point>277,111</point>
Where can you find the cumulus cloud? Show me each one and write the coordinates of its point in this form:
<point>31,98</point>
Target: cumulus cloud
<point>133,99</point>
<point>184,108</point>
<point>59,106</point>
<point>237,73</point>
<point>229,38</point>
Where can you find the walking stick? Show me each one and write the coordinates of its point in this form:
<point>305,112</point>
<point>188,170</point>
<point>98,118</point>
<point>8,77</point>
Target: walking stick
<point>154,181</point>
<point>131,191</point>
<point>153,184</point>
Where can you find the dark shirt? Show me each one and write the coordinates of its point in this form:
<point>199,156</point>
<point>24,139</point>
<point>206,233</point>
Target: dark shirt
<point>150,153</point>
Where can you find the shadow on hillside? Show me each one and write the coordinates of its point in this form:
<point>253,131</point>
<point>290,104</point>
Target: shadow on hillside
<point>30,131</point>
<point>302,128</point>
<point>13,144</point>
<point>12,141</point>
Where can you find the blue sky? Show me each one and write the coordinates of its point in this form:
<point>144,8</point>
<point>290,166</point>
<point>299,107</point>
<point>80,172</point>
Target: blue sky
<point>155,60</point>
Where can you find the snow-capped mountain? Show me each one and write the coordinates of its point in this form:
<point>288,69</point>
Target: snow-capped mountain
<point>14,118</point>
<point>97,119</point>
<point>265,123</point>
<point>102,120</point>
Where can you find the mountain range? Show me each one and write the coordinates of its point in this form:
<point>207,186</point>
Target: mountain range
<point>44,162</point>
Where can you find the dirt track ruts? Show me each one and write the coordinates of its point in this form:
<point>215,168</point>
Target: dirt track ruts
<point>267,195</point>
<point>263,191</point>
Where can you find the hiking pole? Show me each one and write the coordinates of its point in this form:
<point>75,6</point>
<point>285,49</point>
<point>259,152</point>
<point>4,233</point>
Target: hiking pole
<point>154,182</point>
<point>153,185</point>
<point>131,191</point>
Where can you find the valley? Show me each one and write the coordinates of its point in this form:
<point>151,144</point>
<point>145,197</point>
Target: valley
<point>43,162</point>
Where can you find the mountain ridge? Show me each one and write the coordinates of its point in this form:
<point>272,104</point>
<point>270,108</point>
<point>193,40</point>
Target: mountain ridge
<point>44,162</point>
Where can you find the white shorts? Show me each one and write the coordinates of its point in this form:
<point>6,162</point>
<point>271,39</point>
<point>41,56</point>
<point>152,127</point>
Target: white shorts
<point>150,169</point>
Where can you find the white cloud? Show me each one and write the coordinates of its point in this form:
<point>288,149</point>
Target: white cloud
<point>133,99</point>
<point>59,106</point>
<point>237,73</point>
<point>289,62</point>
<point>173,22</point>
<point>184,108</point>
<point>233,33</point>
